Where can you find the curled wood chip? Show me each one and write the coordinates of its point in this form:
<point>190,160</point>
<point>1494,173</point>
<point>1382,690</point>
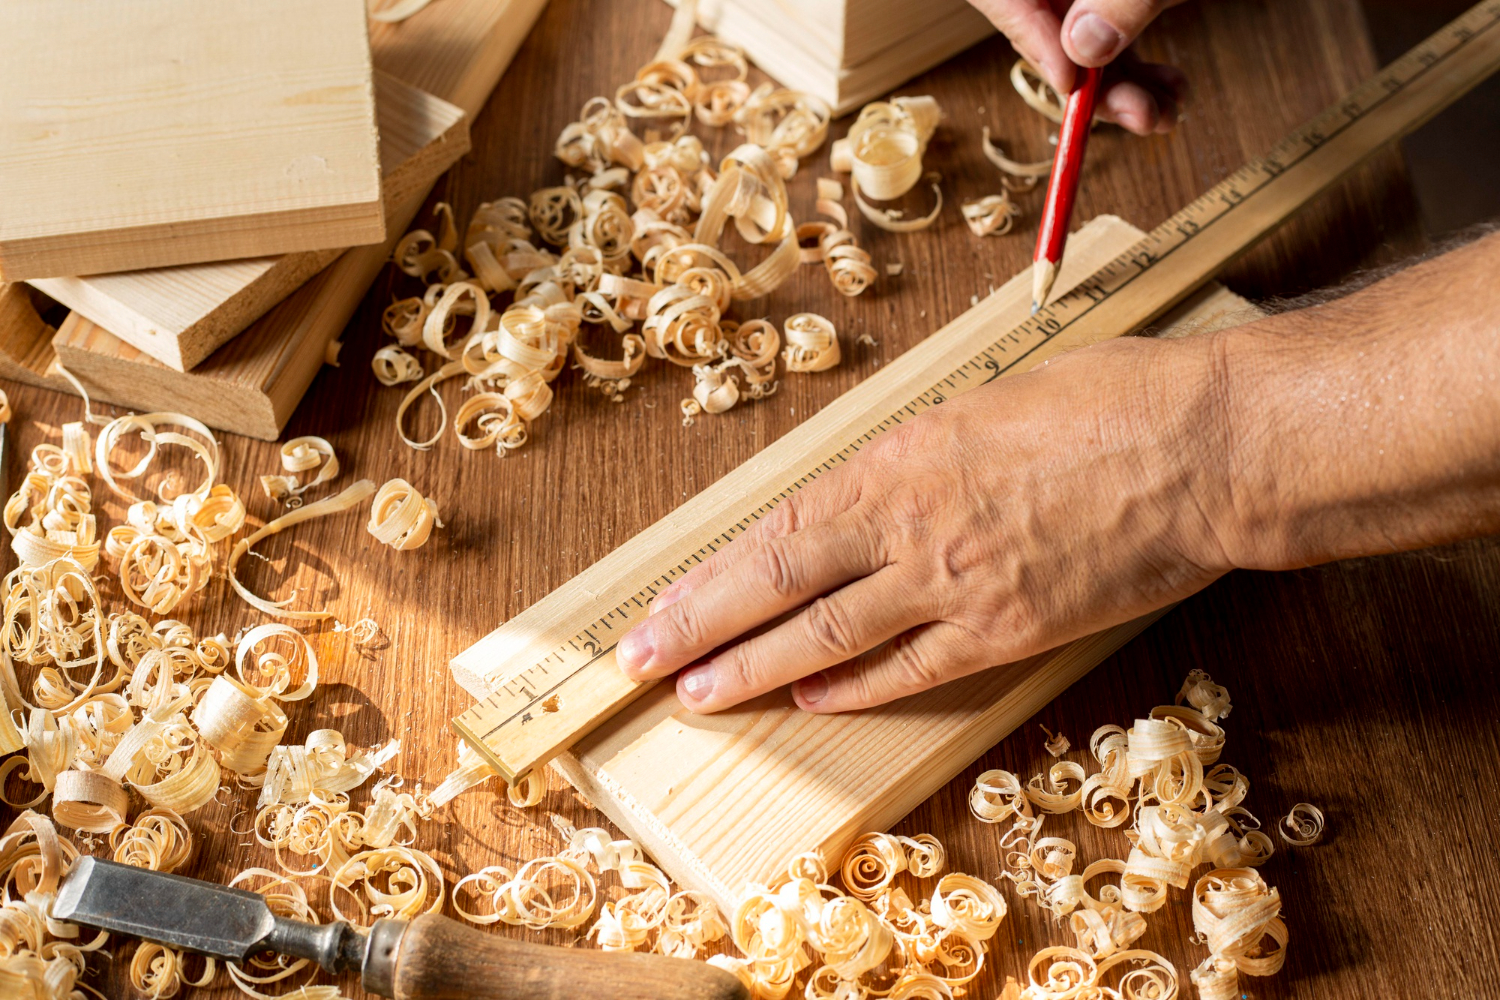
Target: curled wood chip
<point>302,454</point>
<point>812,343</point>
<point>401,517</point>
<point>1200,691</point>
<point>324,763</point>
<point>992,215</point>
<point>392,366</point>
<point>1018,176</point>
<point>889,219</point>
<point>159,839</point>
<point>146,425</point>
<point>347,500</point>
<point>89,801</point>
<point>787,124</point>
<point>1036,91</point>
<point>1302,826</point>
<point>1057,744</point>
<point>5,413</point>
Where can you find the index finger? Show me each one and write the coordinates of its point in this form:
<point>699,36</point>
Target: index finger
<point>830,494</point>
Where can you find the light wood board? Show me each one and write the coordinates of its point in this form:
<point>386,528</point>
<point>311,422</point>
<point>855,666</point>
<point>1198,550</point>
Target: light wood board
<point>847,52</point>
<point>252,384</point>
<point>163,132</point>
<point>698,790</point>
<point>181,315</point>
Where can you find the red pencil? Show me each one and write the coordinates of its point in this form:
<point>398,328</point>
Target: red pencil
<point>1067,165</point>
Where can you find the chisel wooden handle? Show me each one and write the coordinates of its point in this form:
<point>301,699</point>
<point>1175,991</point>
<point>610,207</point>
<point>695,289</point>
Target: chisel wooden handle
<point>434,958</point>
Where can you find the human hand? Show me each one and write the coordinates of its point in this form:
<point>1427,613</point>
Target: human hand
<point>1007,521</point>
<point>1056,35</point>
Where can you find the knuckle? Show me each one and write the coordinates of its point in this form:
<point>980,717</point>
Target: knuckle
<point>784,519</point>
<point>915,670</point>
<point>774,568</point>
<point>915,509</point>
<point>682,627</point>
<point>830,627</point>
<point>738,673</point>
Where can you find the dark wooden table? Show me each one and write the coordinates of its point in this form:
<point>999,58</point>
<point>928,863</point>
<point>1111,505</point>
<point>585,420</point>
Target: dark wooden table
<point>1366,687</point>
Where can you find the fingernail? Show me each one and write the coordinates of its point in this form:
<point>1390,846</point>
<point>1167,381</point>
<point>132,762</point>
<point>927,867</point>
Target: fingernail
<point>698,682</point>
<point>666,598</point>
<point>812,689</point>
<point>636,648</point>
<point>1094,38</point>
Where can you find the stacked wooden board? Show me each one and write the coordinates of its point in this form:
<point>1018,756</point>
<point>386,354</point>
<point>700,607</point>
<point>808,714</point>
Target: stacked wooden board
<point>168,132</point>
<point>730,798</point>
<point>182,347</point>
<point>847,52</point>
<point>181,315</point>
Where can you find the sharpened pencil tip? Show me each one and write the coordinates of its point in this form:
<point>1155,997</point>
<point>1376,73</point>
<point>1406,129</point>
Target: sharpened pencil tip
<point>1036,307</point>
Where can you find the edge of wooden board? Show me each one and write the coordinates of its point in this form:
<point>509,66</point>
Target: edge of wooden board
<point>252,384</point>
<point>181,315</point>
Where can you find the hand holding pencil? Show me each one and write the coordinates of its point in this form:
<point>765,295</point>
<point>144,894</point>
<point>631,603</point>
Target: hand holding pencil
<point>1062,187</point>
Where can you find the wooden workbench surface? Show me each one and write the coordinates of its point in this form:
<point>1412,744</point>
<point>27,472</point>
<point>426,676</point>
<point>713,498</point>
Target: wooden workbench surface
<point>1367,688</point>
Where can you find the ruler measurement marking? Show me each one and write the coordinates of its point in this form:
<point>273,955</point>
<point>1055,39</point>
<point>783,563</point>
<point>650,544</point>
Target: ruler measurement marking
<point>1189,224</point>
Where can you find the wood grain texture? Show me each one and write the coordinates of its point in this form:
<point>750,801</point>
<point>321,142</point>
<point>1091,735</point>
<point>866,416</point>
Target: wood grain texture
<point>847,52</point>
<point>441,959</point>
<point>1362,682</point>
<point>181,315</point>
<point>171,132</point>
<point>251,385</point>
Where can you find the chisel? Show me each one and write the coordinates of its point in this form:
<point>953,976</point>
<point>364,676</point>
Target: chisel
<point>429,958</point>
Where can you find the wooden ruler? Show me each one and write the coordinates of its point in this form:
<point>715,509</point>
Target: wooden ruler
<point>549,676</point>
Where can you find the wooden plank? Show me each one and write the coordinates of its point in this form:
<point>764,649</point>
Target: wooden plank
<point>693,789</point>
<point>25,340</point>
<point>267,369</point>
<point>167,132</point>
<point>181,315</point>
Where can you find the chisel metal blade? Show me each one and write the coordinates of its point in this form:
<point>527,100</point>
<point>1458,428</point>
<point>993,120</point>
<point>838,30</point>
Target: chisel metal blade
<point>228,924</point>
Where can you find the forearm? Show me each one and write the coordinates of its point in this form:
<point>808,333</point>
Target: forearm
<point>1367,425</point>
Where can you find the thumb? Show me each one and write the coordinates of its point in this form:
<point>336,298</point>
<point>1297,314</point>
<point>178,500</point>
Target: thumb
<point>1095,31</point>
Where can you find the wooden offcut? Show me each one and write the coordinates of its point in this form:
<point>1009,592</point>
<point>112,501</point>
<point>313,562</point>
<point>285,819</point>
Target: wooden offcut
<point>847,52</point>
<point>729,798</point>
<point>457,50</point>
<point>163,132</point>
<point>181,315</point>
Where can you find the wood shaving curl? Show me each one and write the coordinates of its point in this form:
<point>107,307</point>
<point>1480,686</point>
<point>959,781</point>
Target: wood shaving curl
<point>812,343</point>
<point>992,215</point>
<point>1303,825</point>
<point>1017,176</point>
<point>347,500</point>
<point>401,517</point>
<point>1036,91</point>
<point>323,763</point>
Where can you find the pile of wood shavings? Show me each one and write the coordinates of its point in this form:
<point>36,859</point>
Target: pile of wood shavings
<point>1162,773</point>
<point>106,713</point>
<point>631,243</point>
